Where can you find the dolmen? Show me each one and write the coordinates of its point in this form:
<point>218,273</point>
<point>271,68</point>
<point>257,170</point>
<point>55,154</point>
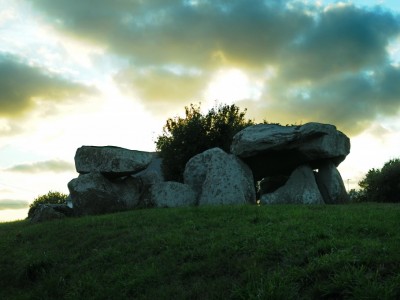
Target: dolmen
<point>306,155</point>
<point>287,164</point>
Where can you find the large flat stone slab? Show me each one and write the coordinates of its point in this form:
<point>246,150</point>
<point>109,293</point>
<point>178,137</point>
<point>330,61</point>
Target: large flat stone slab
<point>271,149</point>
<point>111,161</point>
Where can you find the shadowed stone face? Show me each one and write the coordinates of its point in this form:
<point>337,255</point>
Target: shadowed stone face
<point>93,194</point>
<point>301,188</point>
<point>331,185</point>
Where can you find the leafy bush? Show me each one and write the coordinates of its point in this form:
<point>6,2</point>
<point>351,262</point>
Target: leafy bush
<point>183,138</point>
<point>50,198</point>
<point>382,185</point>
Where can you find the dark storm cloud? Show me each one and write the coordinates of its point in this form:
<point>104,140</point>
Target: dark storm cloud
<point>331,63</point>
<point>343,39</point>
<point>54,166</point>
<point>351,101</point>
<point>13,204</point>
<point>158,32</point>
<point>21,84</point>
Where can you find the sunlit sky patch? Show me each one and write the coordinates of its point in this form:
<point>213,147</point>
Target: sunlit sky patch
<point>100,72</point>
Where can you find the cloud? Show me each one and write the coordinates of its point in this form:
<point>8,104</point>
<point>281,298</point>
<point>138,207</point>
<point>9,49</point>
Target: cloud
<point>161,88</point>
<point>55,166</point>
<point>342,39</point>
<point>160,32</point>
<point>331,62</point>
<point>9,127</point>
<point>13,204</point>
<point>24,86</point>
<point>351,101</point>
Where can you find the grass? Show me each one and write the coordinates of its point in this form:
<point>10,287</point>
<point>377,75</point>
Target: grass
<point>230,252</point>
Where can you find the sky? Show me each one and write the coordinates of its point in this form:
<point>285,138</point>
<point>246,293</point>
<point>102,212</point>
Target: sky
<point>100,72</point>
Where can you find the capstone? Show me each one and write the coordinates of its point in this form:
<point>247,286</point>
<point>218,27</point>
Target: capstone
<point>271,149</point>
<point>111,161</point>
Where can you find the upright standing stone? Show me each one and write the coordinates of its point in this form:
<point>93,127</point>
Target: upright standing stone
<point>331,185</point>
<point>153,172</point>
<point>149,177</point>
<point>219,178</point>
<point>301,188</point>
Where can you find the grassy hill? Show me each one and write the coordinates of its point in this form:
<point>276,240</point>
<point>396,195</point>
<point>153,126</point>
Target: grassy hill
<point>230,252</point>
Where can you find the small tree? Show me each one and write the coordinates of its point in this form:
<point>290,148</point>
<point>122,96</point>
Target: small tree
<point>382,185</point>
<point>183,138</point>
<point>50,198</point>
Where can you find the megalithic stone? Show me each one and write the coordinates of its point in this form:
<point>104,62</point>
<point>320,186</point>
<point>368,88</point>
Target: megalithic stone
<point>270,149</point>
<point>300,188</point>
<point>331,184</point>
<point>111,161</point>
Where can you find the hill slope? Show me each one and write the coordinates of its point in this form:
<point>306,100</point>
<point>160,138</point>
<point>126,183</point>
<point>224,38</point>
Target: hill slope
<point>235,252</point>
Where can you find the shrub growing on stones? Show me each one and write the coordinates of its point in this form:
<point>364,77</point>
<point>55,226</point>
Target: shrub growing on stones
<point>382,185</point>
<point>183,138</point>
<point>50,198</point>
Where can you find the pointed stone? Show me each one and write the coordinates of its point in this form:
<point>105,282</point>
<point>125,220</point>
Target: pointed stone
<point>301,188</point>
<point>331,184</point>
